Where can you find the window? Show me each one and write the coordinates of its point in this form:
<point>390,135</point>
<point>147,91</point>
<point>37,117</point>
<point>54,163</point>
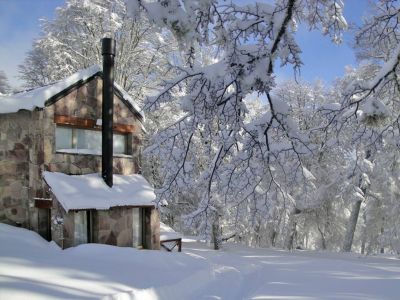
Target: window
<point>76,140</point>
<point>81,227</point>
<point>83,224</point>
<point>138,227</point>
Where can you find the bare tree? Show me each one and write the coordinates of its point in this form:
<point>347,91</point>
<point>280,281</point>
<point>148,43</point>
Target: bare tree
<point>4,86</point>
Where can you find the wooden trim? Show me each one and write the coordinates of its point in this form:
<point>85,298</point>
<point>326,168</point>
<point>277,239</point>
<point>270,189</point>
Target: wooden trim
<point>89,225</point>
<point>43,204</point>
<point>70,89</point>
<point>90,124</point>
<point>177,242</point>
<point>74,121</point>
<point>124,128</point>
<point>80,83</point>
<point>118,206</point>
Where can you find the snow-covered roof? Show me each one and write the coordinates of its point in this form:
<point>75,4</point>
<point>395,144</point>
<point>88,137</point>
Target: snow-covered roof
<point>90,191</point>
<point>37,98</point>
<point>167,233</point>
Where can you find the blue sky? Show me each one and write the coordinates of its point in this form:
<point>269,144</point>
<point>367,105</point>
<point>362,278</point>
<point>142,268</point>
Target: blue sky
<point>20,25</point>
<point>322,59</point>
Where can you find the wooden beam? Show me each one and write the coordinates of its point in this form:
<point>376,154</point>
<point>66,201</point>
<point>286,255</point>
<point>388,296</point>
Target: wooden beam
<point>123,128</point>
<point>177,242</point>
<point>119,206</point>
<point>90,124</point>
<point>74,121</point>
<point>43,203</point>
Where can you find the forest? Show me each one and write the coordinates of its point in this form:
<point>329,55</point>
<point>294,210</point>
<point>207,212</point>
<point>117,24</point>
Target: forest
<point>233,152</point>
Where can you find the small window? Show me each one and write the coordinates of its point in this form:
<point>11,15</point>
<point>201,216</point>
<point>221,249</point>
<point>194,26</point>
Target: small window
<point>88,139</point>
<point>83,224</point>
<point>120,143</point>
<point>138,227</point>
<point>81,227</point>
<point>63,138</point>
<point>76,140</point>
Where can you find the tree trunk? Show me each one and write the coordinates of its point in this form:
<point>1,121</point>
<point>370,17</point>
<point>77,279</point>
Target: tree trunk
<point>323,240</point>
<point>351,227</point>
<point>273,238</point>
<point>382,232</point>
<point>291,233</point>
<point>364,234</point>
<point>216,233</point>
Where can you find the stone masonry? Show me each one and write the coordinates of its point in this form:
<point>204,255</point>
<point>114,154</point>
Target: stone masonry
<point>27,148</point>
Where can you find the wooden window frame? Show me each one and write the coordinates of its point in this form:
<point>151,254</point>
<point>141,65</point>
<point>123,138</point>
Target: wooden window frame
<point>89,222</point>
<point>74,139</point>
<point>91,124</point>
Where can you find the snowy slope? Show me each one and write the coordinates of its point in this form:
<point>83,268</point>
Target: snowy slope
<point>31,268</point>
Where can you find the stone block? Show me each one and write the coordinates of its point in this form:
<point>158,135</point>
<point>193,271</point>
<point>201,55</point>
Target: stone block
<point>69,225</point>
<point>10,202</point>
<point>104,223</point>
<point>48,149</point>
<point>16,189</point>
<point>120,225</point>
<point>74,170</point>
<point>19,146</point>
<point>27,140</point>
<point>111,239</point>
<point>7,167</point>
<point>16,214</point>
<point>103,236</point>
<point>155,229</point>
<point>124,238</point>
<point>22,167</point>
<point>115,213</point>
<point>18,155</point>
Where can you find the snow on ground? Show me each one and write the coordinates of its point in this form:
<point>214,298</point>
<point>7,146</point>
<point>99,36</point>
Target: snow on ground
<point>31,268</point>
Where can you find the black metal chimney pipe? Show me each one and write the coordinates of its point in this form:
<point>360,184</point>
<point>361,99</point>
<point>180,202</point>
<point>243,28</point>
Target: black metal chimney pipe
<point>108,52</point>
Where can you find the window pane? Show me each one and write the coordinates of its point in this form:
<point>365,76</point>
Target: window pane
<point>89,139</point>
<point>137,226</point>
<point>63,138</point>
<point>86,139</point>
<point>119,146</point>
<point>80,234</point>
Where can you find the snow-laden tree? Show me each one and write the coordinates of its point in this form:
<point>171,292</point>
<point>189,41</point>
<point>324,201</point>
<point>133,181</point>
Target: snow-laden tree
<point>72,41</point>
<point>370,104</point>
<point>319,216</point>
<point>250,160</point>
<point>371,93</point>
<point>4,85</point>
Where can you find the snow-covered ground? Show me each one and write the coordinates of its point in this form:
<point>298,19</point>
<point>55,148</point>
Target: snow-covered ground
<point>31,268</point>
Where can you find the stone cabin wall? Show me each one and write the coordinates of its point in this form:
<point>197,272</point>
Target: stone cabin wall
<point>27,148</point>
<point>111,227</point>
<point>21,155</point>
<point>86,102</point>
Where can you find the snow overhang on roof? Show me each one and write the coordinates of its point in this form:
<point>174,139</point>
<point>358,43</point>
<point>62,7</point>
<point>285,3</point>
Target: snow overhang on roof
<point>49,94</point>
<point>78,192</point>
<point>167,233</point>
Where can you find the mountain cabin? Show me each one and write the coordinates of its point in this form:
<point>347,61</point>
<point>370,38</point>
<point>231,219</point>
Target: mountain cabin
<point>70,162</point>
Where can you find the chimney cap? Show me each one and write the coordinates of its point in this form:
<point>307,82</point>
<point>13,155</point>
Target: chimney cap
<point>108,46</point>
